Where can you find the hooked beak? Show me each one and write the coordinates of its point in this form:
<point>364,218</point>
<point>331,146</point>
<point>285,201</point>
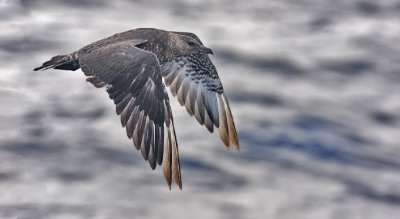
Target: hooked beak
<point>206,50</point>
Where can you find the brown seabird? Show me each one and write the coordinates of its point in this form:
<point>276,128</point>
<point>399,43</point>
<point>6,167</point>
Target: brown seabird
<point>131,66</point>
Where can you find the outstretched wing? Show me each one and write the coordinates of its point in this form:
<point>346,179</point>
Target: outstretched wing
<point>133,80</point>
<point>193,79</point>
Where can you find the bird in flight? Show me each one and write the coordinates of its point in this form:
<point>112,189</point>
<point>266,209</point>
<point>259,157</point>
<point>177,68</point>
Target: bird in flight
<point>135,66</point>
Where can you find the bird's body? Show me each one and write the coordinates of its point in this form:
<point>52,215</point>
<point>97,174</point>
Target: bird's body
<point>132,64</point>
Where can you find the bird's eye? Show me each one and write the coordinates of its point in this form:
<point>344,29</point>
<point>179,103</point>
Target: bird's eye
<point>191,43</point>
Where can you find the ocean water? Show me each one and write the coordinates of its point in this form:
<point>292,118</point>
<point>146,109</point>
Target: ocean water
<point>313,86</point>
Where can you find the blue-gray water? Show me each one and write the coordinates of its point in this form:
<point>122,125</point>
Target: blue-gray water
<point>313,85</point>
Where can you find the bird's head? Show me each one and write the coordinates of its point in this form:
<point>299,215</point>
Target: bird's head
<point>188,44</point>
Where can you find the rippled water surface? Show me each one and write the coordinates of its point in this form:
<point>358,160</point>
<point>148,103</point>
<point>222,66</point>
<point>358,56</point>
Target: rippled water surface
<point>313,85</point>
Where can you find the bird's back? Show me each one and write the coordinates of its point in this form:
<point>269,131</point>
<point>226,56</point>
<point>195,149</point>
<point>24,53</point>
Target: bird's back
<point>150,39</point>
<point>154,40</point>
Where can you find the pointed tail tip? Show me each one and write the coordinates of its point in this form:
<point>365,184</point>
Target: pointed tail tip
<point>42,68</point>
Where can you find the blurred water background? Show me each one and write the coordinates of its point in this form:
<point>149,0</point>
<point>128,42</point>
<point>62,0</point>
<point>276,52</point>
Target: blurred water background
<point>313,85</point>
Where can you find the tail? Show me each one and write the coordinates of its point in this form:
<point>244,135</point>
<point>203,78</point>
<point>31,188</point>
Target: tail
<point>63,62</point>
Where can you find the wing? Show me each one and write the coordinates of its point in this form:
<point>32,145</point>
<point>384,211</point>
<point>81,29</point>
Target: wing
<point>133,80</point>
<point>193,79</point>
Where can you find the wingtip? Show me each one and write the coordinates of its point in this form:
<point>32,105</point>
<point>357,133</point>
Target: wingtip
<point>175,163</point>
<point>235,142</point>
<point>167,179</point>
<point>230,123</point>
<point>171,164</point>
<point>227,129</point>
<point>166,163</point>
<point>180,185</point>
<point>236,147</point>
<point>223,126</point>
<point>224,138</point>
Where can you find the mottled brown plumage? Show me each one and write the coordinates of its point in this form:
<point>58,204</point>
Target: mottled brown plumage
<point>132,64</point>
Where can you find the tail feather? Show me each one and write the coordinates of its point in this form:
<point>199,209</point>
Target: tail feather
<point>64,62</point>
<point>51,63</point>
